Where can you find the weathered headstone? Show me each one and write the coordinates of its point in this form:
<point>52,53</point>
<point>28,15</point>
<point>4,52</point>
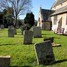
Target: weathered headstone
<point>50,38</point>
<point>11,32</point>
<point>37,32</point>
<point>15,31</point>
<point>4,61</point>
<point>28,37</point>
<point>44,53</point>
<point>2,26</point>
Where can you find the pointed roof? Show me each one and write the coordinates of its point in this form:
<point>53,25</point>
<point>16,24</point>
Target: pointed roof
<point>57,2</point>
<point>46,13</point>
<point>60,11</point>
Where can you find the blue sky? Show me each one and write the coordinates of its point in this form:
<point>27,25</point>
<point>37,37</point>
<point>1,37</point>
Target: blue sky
<point>45,4</point>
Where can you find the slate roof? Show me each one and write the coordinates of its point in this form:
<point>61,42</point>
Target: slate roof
<point>46,13</point>
<point>57,2</point>
<point>60,11</point>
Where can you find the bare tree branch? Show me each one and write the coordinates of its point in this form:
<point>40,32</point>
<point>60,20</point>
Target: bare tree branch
<point>19,6</point>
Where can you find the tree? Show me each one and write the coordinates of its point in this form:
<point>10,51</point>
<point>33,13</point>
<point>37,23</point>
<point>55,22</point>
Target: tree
<point>19,7</point>
<point>29,19</point>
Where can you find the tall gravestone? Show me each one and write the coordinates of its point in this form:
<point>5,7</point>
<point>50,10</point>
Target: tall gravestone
<point>44,53</point>
<point>4,61</point>
<point>11,32</point>
<point>37,32</point>
<point>15,31</point>
<point>28,37</point>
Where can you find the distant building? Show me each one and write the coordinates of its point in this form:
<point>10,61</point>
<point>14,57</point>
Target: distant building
<point>59,17</point>
<point>44,20</point>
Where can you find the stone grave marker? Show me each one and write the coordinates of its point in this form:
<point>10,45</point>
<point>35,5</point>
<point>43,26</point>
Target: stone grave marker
<point>27,37</point>
<point>15,31</point>
<point>4,61</point>
<point>2,26</point>
<point>50,38</point>
<point>9,27</point>
<point>11,32</point>
<point>44,53</point>
<point>37,32</point>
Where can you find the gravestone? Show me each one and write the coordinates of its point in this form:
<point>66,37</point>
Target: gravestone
<point>2,26</point>
<point>44,53</point>
<point>50,38</point>
<point>9,27</point>
<point>37,32</point>
<point>11,32</point>
<point>28,37</point>
<point>4,61</point>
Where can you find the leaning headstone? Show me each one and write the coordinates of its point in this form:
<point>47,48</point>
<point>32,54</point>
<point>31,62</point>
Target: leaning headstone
<point>28,37</point>
<point>50,38</point>
<point>4,61</point>
<point>44,53</point>
<point>37,32</point>
<point>11,32</point>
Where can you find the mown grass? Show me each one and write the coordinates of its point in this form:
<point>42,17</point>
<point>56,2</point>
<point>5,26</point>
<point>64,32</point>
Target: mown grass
<point>24,55</point>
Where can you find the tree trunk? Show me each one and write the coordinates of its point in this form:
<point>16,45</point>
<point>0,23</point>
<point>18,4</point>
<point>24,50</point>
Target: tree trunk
<point>16,21</point>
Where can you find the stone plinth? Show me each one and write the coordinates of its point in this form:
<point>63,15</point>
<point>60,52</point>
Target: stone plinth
<point>4,61</point>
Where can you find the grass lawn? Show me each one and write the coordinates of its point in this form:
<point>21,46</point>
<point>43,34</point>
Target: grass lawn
<point>24,55</point>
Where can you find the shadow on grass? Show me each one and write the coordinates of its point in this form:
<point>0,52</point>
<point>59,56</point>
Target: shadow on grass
<point>44,34</point>
<point>16,44</point>
<point>7,44</point>
<point>20,66</point>
<point>29,44</point>
<point>18,37</point>
<point>58,61</point>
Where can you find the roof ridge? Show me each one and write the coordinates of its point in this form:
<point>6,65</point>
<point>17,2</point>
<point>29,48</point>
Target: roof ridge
<point>57,2</point>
